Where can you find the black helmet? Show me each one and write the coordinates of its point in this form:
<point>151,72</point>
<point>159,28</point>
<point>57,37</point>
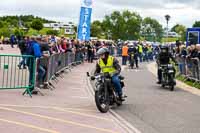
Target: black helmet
<point>102,51</point>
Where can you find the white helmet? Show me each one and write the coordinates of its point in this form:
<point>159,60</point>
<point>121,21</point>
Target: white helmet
<point>102,51</point>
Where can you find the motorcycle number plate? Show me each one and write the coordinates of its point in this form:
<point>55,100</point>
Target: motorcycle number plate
<point>170,71</point>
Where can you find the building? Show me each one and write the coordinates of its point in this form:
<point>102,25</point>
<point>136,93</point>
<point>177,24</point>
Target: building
<point>171,34</point>
<point>68,27</point>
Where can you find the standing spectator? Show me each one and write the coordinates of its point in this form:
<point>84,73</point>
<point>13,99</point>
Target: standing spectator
<point>124,54</point>
<point>150,52</point>
<point>2,40</point>
<point>77,51</point>
<point>35,50</point>
<point>182,59</point>
<point>59,45</point>
<point>140,48</point>
<point>22,47</point>
<point>12,41</point>
<point>89,52</point>
<point>53,39</point>
<point>63,43</point>
<point>156,51</point>
<point>145,49</point>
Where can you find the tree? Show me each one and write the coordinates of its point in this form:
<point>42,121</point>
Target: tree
<point>96,29</point>
<point>151,29</point>
<point>125,25</point>
<point>181,30</point>
<point>52,32</point>
<point>196,24</point>
<point>37,25</point>
<point>5,32</point>
<point>1,24</point>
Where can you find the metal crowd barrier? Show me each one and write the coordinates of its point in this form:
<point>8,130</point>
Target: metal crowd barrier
<point>14,77</point>
<point>189,68</point>
<point>54,66</point>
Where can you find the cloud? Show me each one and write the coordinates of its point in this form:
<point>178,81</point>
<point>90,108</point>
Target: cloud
<point>181,11</point>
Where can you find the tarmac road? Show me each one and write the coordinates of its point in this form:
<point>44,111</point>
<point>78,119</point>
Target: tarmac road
<point>153,109</point>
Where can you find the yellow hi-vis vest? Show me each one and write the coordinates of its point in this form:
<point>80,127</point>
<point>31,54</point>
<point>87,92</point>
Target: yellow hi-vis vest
<point>140,49</point>
<point>149,49</point>
<point>108,67</point>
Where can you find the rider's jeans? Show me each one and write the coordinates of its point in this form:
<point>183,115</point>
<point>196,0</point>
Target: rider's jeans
<point>117,85</point>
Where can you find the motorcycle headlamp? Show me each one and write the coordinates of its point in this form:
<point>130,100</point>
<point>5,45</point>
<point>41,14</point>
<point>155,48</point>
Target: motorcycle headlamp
<point>164,50</point>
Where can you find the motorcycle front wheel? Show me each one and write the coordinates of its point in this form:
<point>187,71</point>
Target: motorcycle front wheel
<point>102,101</point>
<point>172,88</point>
<point>171,78</point>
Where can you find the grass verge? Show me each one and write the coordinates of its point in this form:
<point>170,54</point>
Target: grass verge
<point>187,81</point>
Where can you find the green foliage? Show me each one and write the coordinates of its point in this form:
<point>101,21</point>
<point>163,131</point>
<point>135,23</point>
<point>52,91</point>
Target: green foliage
<point>96,30</point>
<point>196,24</point>
<point>1,24</point>
<point>52,32</point>
<point>37,25</point>
<point>181,30</point>
<point>125,25</point>
<point>188,82</point>
<point>170,39</point>
<point>9,24</point>
<point>5,32</point>
<point>151,29</point>
<point>18,32</point>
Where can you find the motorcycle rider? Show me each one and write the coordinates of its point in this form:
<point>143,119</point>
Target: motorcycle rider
<point>133,49</point>
<point>107,63</point>
<point>163,59</point>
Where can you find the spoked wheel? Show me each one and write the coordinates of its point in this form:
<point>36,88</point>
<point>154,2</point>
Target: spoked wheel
<point>102,101</point>
<point>172,87</point>
<point>172,82</point>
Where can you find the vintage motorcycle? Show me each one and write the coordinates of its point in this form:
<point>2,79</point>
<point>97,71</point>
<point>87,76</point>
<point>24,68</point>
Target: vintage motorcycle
<point>168,76</point>
<point>131,60</point>
<point>105,94</point>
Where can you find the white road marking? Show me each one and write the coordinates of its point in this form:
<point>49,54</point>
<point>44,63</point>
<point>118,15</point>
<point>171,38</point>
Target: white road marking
<point>79,97</point>
<point>121,122</point>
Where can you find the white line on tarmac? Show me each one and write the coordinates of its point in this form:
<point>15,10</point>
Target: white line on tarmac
<point>62,110</point>
<point>59,120</point>
<point>79,97</point>
<point>46,107</point>
<point>121,121</point>
<point>28,125</point>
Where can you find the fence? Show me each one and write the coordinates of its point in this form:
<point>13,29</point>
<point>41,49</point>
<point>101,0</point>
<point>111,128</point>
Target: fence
<point>12,77</point>
<point>189,68</point>
<point>40,71</point>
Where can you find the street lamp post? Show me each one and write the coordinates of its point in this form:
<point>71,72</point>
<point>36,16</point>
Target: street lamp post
<point>167,17</point>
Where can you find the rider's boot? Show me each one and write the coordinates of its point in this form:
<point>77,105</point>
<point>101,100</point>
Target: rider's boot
<point>121,98</point>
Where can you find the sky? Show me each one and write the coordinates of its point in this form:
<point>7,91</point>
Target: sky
<point>184,12</point>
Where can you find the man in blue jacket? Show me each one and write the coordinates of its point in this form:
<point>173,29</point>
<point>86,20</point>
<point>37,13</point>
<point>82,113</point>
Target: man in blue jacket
<point>34,50</point>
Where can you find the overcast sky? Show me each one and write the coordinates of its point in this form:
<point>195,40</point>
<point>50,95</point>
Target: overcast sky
<point>182,11</point>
